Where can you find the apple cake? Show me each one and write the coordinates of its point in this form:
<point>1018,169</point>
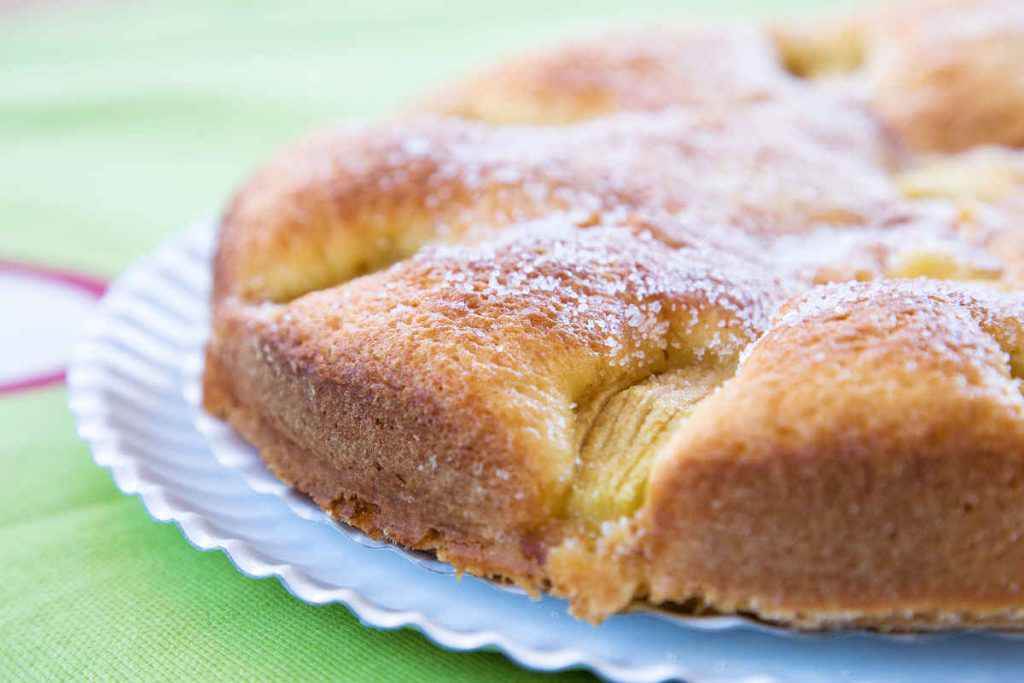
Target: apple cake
<point>727,317</point>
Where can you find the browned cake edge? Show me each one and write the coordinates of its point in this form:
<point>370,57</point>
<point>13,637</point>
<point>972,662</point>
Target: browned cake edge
<point>257,389</point>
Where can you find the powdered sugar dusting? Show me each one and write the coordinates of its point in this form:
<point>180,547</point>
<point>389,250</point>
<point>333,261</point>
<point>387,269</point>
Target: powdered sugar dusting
<point>606,287</point>
<point>967,324</point>
<point>772,167</point>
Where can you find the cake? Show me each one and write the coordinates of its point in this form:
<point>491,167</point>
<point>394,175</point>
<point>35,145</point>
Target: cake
<point>726,319</point>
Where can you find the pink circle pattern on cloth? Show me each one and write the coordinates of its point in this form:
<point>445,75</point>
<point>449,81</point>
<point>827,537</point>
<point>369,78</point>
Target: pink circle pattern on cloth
<point>47,306</point>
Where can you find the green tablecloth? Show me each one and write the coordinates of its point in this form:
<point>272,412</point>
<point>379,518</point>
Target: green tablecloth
<point>120,123</point>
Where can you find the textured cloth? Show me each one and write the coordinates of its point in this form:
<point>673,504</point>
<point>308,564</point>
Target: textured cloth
<point>119,124</point>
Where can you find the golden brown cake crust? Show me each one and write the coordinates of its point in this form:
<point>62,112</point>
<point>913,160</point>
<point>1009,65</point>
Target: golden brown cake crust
<point>881,426</point>
<point>646,69</point>
<point>722,336</point>
<point>350,201</point>
<point>944,74</point>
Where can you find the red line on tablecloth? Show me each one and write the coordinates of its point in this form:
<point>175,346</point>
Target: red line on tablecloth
<point>35,382</point>
<point>93,286</point>
<point>87,283</point>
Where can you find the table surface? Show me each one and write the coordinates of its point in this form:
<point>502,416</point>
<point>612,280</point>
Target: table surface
<point>119,124</point>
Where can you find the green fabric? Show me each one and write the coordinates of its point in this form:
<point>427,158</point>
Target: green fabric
<point>120,123</point>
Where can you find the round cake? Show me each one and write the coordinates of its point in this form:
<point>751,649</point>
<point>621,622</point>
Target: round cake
<point>720,318</point>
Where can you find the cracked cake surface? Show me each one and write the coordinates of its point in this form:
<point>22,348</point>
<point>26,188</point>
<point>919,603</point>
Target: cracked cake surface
<point>727,316</point>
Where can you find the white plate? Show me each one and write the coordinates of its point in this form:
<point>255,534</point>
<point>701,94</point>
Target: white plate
<point>134,392</point>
